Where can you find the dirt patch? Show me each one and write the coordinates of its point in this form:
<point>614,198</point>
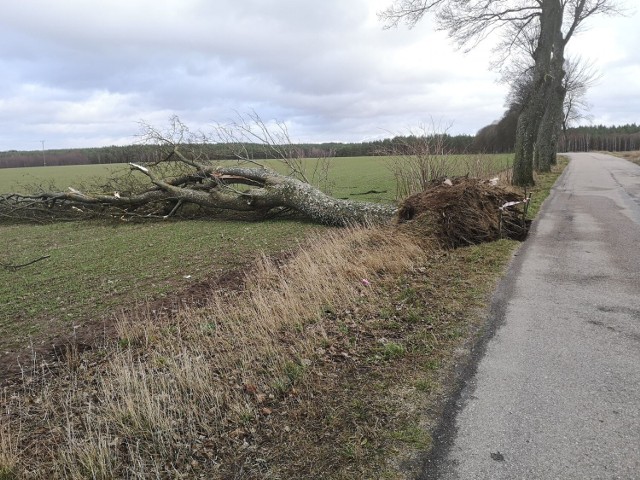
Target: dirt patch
<point>464,211</point>
<point>51,349</point>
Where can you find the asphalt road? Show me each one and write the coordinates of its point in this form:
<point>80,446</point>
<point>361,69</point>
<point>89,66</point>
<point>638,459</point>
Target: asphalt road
<point>555,390</point>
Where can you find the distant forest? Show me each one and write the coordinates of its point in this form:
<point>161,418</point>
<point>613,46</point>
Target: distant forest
<point>495,138</point>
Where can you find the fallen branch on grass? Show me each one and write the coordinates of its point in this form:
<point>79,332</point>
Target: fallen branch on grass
<point>17,267</point>
<point>210,188</point>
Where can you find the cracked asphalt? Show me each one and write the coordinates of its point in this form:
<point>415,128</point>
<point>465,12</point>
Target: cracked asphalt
<point>554,391</point>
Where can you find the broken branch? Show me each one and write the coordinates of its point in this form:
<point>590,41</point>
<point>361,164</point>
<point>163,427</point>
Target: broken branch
<point>22,265</point>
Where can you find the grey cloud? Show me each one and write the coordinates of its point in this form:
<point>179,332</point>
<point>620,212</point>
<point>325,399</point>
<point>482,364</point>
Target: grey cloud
<point>328,68</point>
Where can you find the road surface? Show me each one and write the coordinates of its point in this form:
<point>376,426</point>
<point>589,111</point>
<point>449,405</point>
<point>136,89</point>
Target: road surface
<point>555,393</point>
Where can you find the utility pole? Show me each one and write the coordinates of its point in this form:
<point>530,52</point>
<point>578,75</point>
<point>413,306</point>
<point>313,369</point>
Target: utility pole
<point>44,160</point>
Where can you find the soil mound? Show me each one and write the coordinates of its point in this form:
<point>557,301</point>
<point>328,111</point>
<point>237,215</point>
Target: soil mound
<point>464,211</point>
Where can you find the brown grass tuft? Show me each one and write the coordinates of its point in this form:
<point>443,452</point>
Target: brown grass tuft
<point>633,156</point>
<point>9,441</point>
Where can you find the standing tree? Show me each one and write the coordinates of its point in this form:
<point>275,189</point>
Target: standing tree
<point>500,136</point>
<point>580,75</point>
<point>556,21</point>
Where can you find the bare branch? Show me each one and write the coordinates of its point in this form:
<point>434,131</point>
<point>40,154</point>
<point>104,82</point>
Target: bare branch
<point>580,76</point>
<point>135,166</point>
<point>22,265</point>
<point>408,11</point>
<point>577,11</point>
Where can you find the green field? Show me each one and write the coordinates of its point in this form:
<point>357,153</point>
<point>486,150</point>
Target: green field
<point>359,178</point>
<point>22,180</point>
<point>349,177</point>
<point>96,267</point>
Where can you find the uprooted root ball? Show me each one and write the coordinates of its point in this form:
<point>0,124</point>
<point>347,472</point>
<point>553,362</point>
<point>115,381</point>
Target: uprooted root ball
<point>464,211</point>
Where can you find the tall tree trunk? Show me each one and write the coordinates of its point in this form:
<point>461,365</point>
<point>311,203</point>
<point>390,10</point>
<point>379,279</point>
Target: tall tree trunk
<point>551,121</point>
<point>549,131</point>
<point>525,142</point>
<point>536,104</point>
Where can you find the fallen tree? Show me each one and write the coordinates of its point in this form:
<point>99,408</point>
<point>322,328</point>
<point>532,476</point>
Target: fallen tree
<point>182,180</point>
<point>209,187</point>
<point>182,176</point>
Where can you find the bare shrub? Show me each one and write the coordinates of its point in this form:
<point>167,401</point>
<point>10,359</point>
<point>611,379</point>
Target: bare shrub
<point>422,156</point>
<point>418,158</point>
<point>486,167</point>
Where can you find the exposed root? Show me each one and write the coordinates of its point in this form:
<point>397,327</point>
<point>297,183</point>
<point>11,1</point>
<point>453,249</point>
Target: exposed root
<point>464,211</point>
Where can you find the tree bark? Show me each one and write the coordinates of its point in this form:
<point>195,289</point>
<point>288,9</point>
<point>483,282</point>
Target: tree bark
<point>549,131</point>
<point>550,124</point>
<point>525,141</point>
<point>277,190</point>
<point>535,106</point>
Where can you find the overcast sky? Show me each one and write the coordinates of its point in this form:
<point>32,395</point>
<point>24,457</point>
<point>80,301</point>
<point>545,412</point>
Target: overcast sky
<point>82,73</point>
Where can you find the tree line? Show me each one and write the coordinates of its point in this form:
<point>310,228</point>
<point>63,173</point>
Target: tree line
<point>625,138</point>
<point>498,137</point>
<point>222,151</point>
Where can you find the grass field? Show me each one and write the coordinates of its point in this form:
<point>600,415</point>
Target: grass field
<point>353,177</point>
<point>22,180</point>
<point>349,177</point>
<point>97,267</point>
<point>322,367</point>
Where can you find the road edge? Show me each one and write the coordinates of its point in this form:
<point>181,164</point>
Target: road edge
<point>444,434</point>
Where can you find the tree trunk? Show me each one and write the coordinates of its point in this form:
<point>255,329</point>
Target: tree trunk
<point>282,191</point>
<point>525,142</point>
<point>536,103</point>
<point>551,121</point>
<point>547,141</point>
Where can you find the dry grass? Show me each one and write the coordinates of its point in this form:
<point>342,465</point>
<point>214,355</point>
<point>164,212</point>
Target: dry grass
<point>180,395</point>
<point>9,440</point>
<point>631,156</point>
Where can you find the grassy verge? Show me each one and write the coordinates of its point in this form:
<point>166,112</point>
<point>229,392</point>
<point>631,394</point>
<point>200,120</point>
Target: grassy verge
<point>631,156</point>
<point>333,365</point>
<point>544,183</point>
